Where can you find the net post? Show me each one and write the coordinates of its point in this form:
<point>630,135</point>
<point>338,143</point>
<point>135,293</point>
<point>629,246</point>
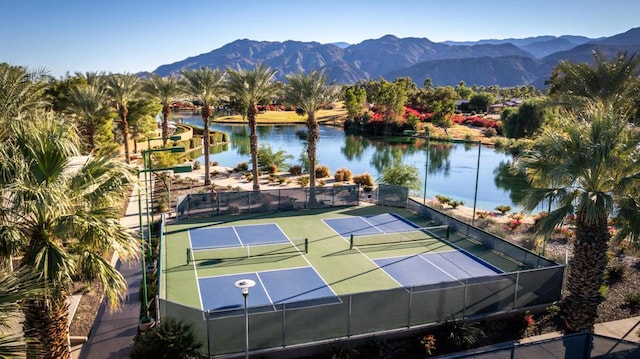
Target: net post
<point>448,231</point>
<point>188,255</point>
<point>306,245</point>
<point>351,241</point>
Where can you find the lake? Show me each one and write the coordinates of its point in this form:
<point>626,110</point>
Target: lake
<point>452,167</point>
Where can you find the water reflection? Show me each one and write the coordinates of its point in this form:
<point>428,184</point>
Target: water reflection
<point>451,171</point>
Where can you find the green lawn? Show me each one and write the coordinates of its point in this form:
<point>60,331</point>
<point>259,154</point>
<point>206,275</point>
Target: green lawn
<point>283,117</point>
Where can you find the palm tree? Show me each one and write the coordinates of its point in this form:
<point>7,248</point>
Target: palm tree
<point>64,220</point>
<point>249,87</point>
<point>123,88</point>
<point>90,107</point>
<point>310,93</point>
<point>588,165</point>
<point>14,288</point>
<point>614,83</point>
<point>21,91</point>
<point>204,84</point>
<point>166,90</point>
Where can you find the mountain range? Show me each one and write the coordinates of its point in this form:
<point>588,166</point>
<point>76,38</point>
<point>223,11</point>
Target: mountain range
<point>506,63</point>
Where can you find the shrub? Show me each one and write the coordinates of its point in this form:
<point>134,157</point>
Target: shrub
<point>322,171</point>
<point>215,163</point>
<point>343,175</point>
<point>365,180</point>
<point>490,132</point>
<point>503,209</point>
<point>443,199</point>
<point>295,170</point>
<point>455,204</point>
<point>171,338</point>
<point>272,169</point>
<point>459,335</point>
<point>303,181</point>
<point>242,166</point>
<point>632,299</point>
<point>196,165</point>
<point>468,137</point>
<point>615,273</point>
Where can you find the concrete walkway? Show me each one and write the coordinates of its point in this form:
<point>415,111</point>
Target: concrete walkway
<point>628,329</point>
<point>112,333</point>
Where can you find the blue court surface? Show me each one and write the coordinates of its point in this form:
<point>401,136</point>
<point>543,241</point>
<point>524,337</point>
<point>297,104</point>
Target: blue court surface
<point>294,287</point>
<point>434,267</point>
<point>381,223</point>
<point>236,236</point>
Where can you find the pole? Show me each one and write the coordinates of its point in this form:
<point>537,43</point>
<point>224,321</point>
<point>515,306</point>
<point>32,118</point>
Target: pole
<point>146,198</point>
<point>475,196</point>
<point>426,171</point>
<point>144,266</point>
<point>245,294</point>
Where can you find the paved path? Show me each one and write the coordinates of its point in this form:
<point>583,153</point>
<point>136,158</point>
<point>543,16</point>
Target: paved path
<point>113,332</point>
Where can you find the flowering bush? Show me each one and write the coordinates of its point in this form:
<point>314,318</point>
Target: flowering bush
<point>513,224</point>
<point>529,321</point>
<point>571,219</point>
<point>429,343</point>
<point>565,232</point>
<point>485,214</point>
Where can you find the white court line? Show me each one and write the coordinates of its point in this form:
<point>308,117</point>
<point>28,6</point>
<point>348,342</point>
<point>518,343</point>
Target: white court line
<point>195,271</point>
<point>265,291</point>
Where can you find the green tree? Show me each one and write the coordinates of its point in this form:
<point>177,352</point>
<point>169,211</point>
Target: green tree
<point>588,166</point>
<point>142,119</point>
<point>267,158</point>
<point>123,88</point>
<point>355,99</point>
<point>165,90</point>
<point>64,221</point>
<point>205,85</point>
<point>90,108</point>
<point>21,91</point>
<point>524,122</point>
<point>310,93</point>
<point>463,91</point>
<point>481,101</point>
<point>250,87</point>
<point>615,83</point>
<point>390,100</point>
<point>401,174</point>
<point>442,115</point>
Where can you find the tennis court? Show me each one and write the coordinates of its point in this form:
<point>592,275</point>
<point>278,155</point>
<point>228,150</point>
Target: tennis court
<point>326,273</point>
<point>293,287</point>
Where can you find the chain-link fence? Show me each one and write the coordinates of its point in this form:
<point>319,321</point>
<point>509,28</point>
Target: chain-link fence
<point>221,203</point>
<point>371,312</point>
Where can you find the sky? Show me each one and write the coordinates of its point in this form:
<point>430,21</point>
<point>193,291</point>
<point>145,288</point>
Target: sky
<point>68,36</point>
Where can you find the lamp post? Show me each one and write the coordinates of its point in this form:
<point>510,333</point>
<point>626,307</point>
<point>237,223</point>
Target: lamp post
<point>426,170</point>
<point>176,169</point>
<point>244,285</point>
<point>475,195</point>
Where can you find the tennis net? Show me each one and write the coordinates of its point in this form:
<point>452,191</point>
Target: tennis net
<point>292,246</point>
<point>413,235</point>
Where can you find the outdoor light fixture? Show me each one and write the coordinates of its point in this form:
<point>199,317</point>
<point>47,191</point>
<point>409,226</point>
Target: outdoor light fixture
<point>244,285</point>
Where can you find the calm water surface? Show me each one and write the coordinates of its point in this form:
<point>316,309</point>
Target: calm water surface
<point>452,168</point>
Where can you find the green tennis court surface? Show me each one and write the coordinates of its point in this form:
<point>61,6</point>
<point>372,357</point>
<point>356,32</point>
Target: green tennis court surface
<point>352,250</point>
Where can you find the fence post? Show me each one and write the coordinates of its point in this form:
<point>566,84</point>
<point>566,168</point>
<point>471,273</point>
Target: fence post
<point>464,302</point>
<point>284,325</point>
<point>410,301</point>
<point>515,294</point>
<point>349,317</point>
<point>207,317</point>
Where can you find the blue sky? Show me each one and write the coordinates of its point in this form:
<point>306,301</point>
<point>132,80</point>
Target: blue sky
<point>137,35</point>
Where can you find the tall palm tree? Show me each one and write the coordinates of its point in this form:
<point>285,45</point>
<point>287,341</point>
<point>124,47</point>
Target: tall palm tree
<point>64,219</point>
<point>614,83</point>
<point>21,91</point>
<point>249,87</point>
<point>206,85</point>
<point>90,106</point>
<point>588,165</point>
<point>166,90</point>
<point>123,88</point>
<point>310,93</point>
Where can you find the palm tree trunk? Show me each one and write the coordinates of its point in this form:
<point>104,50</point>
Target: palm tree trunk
<point>253,141</point>
<point>586,272</point>
<point>165,124</point>
<point>206,113</point>
<point>313,133</point>
<point>47,329</point>
<point>125,132</point>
